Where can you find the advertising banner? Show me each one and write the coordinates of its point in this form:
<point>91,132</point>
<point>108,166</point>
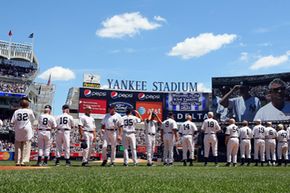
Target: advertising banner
<point>145,108</point>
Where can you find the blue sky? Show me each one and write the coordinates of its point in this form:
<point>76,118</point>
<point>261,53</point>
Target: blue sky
<point>151,40</point>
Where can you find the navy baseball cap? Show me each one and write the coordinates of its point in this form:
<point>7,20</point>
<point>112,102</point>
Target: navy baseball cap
<point>47,107</point>
<point>65,107</point>
<point>26,98</point>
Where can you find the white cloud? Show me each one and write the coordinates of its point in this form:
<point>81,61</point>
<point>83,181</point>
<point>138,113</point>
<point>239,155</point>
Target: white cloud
<point>244,57</point>
<point>201,45</point>
<point>127,24</point>
<point>159,18</point>
<point>202,88</point>
<point>270,61</point>
<point>58,73</point>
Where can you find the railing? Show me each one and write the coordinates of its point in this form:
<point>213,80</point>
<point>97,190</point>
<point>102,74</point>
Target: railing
<point>16,50</point>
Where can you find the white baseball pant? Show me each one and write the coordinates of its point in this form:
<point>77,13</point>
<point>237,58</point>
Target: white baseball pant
<point>110,137</point>
<point>270,149</point>
<point>88,137</point>
<point>232,150</point>
<point>245,148</point>
<point>280,152</point>
<point>187,145</point>
<point>168,148</point>
<point>210,140</point>
<point>129,139</point>
<point>259,147</point>
<point>63,141</point>
<point>44,143</point>
<point>22,151</point>
<point>150,143</point>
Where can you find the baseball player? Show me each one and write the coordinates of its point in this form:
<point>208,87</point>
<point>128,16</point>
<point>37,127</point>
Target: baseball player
<point>87,130</point>
<point>1,123</point>
<point>278,108</point>
<point>188,130</point>
<point>246,135</point>
<point>232,142</point>
<point>22,120</point>
<point>259,132</point>
<point>150,126</point>
<point>270,142</point>
<point>210,127</point>
<point>111,124</point>
<point>46,122</point>
<point>168,133</point>
<point>282,148</point>
<point>129,138</point>
<point>65,123</point>
<point>244,106</point>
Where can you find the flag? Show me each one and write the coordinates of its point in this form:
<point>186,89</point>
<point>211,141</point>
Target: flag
<point>10,33</point>
<point>31,35</point>
<point>49,80</point>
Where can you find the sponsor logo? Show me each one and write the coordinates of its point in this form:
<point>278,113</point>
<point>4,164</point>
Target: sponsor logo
<point>115,95</point>
<point>143,96</point>
<point>121,107</point>
<point>141,110</point>
<point>89,93</point>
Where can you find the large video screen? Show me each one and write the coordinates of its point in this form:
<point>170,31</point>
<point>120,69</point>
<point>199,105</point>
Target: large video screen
<point>181,104</point>
<point>264,97</point>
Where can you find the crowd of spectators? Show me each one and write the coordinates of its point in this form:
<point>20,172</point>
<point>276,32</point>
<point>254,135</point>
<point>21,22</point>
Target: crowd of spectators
<point>6,146</point>
<point>13,87</point>
<point>9,70</point>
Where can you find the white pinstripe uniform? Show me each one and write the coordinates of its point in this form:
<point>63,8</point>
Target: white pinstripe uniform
<point>288,130</point>
<point>233,143</point>
<point>246,135</point>
<point>270,142</point>
<point>65,123</point>
<point>210,126</point>
<point>150,131</point>
<point>46,123</point>
<point>282,138</point>
<point>187,130</point>
<point>129,138</point>
<point>259,132</point>
<point>168,139</point>
<point>111,123</point>
<point>89,127</point>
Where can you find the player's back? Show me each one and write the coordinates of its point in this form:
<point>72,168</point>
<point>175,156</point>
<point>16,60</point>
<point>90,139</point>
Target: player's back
<point>210,126</point>
<point>246,133</point>
<point>169,125</point>
<point>188,128</point>
<point>22,118</point>
<point>282,136</point>
<point>65,121</point>
<point>232,131</point>
<point>46,121</point>
<point>130,122</point>
<point>271,133</point>
<point>259,132</point>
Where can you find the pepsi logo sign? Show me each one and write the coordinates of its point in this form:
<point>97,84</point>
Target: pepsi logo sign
<point>143,96</point>
<point>115,95</point>
<point>90,93</point>
<point>87,92</point>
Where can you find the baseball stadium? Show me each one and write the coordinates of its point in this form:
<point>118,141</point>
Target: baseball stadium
<point>157,97</point>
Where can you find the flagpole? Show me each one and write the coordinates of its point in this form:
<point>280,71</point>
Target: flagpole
<point>32,45</point>
<point>10,42</point>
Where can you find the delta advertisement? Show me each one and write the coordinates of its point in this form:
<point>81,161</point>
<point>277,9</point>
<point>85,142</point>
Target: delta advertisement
<point>181,104</point>
<point>264,97</point>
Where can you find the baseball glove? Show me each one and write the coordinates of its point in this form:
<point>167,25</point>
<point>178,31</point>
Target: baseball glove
<point>84,145</point>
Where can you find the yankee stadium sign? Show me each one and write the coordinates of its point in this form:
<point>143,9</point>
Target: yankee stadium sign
<point>156,86</point>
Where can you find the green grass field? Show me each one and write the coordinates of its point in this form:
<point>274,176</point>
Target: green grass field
<point>144,179</point>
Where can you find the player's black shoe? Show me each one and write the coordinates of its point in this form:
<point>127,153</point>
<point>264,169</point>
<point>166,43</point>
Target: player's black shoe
<point>149,164</point>
<point>190,162</point>
<point>67,163</point>
<point>126,165</point>
<point>104,163</point>
<point>228,164</point>
<point>85,164</point>
<point>57,162</point>
<point>184,162</point>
